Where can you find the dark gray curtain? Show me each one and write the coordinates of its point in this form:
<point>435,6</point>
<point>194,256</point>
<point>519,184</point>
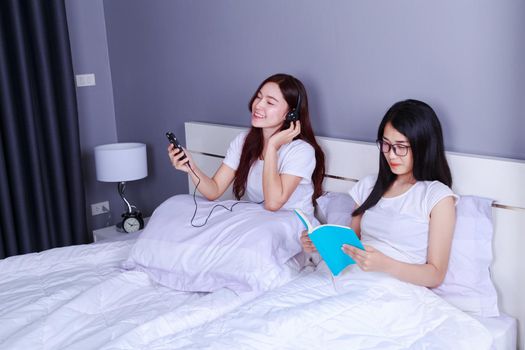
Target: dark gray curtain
<point>41,188</point>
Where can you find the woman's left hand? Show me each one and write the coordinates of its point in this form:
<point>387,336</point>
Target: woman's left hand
<point>369,259</point>
<point>285,136</point>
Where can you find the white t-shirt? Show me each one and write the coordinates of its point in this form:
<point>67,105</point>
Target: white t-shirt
<point>398,226</point>
<point>295,158</point>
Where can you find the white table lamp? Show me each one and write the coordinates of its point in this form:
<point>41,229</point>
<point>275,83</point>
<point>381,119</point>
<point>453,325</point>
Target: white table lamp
<point>121,162</point>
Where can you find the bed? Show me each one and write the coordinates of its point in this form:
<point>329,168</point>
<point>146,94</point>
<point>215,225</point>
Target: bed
<point>79,297</point>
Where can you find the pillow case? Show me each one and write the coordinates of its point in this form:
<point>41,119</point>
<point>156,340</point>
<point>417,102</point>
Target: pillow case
<point>468,284</point>
<point>244,250</point>
<point>335,208</point>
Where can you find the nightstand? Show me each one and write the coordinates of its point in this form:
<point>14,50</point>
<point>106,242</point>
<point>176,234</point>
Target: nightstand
<point>111,233</point>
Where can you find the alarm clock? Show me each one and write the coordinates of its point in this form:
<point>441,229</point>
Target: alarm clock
<point>132,222</point>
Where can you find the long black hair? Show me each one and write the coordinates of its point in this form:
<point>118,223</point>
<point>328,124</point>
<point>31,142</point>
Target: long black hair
<point>419,123</point>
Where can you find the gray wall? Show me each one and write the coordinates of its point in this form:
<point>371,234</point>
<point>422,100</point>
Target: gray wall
<point>87,31</point>
<point>174,61</point>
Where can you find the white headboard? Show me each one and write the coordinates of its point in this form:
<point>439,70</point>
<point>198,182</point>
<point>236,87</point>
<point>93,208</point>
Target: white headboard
<point>347,161</point>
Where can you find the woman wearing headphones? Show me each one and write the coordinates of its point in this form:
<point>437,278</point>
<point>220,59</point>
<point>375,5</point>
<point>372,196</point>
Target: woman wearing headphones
<point>255,247</point>
<point>277,161</point>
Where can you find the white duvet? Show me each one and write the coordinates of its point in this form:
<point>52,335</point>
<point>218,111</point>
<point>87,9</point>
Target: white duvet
<point>79,298</point>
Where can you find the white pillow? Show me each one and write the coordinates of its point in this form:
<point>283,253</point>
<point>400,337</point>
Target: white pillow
<point>335,208</point>
<point>468,283</point>
<point>244,250</point>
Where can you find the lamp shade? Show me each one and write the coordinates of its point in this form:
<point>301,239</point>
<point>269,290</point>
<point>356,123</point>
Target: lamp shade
<point>118,162</point>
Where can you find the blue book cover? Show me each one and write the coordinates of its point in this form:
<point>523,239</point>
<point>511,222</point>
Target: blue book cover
<point>328,240</point>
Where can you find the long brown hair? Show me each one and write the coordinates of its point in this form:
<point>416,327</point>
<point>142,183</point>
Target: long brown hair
<point>290,87</point>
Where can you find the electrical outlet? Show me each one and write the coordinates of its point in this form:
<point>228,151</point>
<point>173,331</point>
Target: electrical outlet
<point>85,79</point>
<point>99,208</point>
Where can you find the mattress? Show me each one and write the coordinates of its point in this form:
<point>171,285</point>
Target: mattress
<point>504,330</point>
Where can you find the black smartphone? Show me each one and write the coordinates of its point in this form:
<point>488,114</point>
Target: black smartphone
<point>171,137</point>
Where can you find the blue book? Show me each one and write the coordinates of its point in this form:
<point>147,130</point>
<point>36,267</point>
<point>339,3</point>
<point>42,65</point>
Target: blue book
<point>328,240</point>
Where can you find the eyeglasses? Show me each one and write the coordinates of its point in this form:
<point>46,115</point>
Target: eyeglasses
<point>399,150</point>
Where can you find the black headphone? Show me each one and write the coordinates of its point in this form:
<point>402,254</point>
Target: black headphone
<point>294,115</point>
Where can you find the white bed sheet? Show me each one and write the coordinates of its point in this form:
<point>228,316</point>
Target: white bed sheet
<point>366,311</point>
<point>504,331</point>
<point>79,298</point>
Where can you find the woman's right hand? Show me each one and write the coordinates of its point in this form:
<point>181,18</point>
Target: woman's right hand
<point>307,244</point>
<point>285,136</point>
<point>175,156</point>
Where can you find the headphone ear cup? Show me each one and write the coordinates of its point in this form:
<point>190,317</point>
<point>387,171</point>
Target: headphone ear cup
<point>292,116</point>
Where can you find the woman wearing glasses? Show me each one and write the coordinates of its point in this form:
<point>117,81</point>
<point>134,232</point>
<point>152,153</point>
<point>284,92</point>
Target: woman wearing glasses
<point>405,215</point>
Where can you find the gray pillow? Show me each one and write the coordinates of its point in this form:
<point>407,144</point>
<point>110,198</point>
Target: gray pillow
<point>335,208</point>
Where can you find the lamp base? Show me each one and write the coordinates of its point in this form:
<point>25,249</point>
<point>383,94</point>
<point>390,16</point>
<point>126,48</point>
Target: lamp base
<point>119,227</point>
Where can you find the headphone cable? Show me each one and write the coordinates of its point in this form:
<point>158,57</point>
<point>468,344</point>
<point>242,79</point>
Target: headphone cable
<point>230,209</point>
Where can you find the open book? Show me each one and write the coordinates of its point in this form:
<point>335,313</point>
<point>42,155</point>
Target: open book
<point>328,240</point>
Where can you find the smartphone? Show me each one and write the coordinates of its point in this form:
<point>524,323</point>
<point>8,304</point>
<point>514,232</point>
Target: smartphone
<point>171,137</point>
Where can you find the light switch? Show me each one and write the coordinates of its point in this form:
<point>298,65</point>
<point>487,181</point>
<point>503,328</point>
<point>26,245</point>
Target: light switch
<point>85,79</point>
